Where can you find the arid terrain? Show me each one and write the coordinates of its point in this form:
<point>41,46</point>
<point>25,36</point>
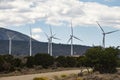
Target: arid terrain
<point>49,75</point>
<point>66,75</point>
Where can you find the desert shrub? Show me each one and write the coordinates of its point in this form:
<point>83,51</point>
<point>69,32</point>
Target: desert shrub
<point>73,75</point>
<point>79,78</point>
<point>1,63</point>
<point>71,61</point>
<point>80,61</point>
<point>61,61</point>
<point>45,60</point>
<point>8,67</point>
<point>102,60</point>
<point>56,77</point>
<point>17,62</point>
<point>8,63</point>
<point>118,62</point>
<point>41,78</point>
<point>8,58</point>
<point>30,62</point>
<point>63,75</point>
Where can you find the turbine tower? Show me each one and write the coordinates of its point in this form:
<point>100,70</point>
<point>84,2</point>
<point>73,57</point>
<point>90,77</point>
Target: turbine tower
<point>30,42</point>
<point>50,38</point>
<point>71,39</point>
<point>10,42</point>
<point>104,34</point>
<point>48,42</point>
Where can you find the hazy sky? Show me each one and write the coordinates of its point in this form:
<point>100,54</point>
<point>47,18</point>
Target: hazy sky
<point>18,15</point>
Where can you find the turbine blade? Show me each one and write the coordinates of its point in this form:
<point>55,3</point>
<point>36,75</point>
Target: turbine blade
<point>50,30</point>
<point>30,31</point>
<point>13,36</point>
<point>77,38</point>
<point>46,35</point>
<point>55,38</point>
<point>111,32</point>
<point>69,40</point>
<point>71,29</point>
<point>100,26</point>
<point>53,35</point>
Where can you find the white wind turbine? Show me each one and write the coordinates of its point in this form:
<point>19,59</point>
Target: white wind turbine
<point>48,42</point>
<point>104,34</point>
<point>30,42</point>
<point>50,38</point>
<point>71,39</point>
<point>10,42</point>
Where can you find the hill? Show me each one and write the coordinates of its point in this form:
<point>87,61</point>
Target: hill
<point>20,45</point>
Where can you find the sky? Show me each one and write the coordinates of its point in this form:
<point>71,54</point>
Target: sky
<point>20,15</point>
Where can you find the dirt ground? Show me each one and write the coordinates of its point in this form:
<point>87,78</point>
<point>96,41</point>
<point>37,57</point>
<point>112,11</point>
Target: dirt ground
<point>49,75</point>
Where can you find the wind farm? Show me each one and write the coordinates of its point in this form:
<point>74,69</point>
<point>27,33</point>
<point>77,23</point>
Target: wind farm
<point>59,40</point>
<point>52,36</point>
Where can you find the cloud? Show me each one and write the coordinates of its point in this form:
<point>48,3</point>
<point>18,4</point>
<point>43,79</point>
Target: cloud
<point>117,26</point>
<point>36,36</point>
<point>36,30</point>
<point>108,0</point>
<point>36,33</point>
<point>57,12</point>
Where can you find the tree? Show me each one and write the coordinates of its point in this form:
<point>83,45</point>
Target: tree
<point>1,63</point>
<point>17,62</point>
<point>45,60</point>
<point>102,60</point>
<point>61,61</point>
<point>81,61</point>
<point>71,61</point>
<point>118,62</point>
<point>8,58</point>
<point>92,56</point>
<point>7,65</point>
<point>30,62</point>
<point>108,60</point>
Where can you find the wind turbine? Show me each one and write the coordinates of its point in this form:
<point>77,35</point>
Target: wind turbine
<point>71,39</point>
<point>10,42</point>
<point>50,38</point>
<point>30,42</point>
<point>104,33</point>
<point>48,42</point>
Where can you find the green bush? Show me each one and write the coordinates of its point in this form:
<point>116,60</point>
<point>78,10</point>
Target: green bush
<point>17,62</point>
<point>61,61</point>
<point>118,62</point>
<point>1,63</point>
<point>30,62</point>
<point>71,61</point>
<point>45,60</point>
<point>102,60</point>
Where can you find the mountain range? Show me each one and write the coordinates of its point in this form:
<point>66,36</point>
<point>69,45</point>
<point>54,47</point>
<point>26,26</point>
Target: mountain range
<point>20,45</point>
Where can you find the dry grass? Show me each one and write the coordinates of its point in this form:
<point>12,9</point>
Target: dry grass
<point>41,78</point>
<point>27,71</point>
<point>61,77</point>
